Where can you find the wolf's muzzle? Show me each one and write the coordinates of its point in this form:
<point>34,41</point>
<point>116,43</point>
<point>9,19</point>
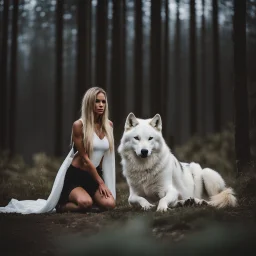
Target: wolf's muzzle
<point>144,153</point>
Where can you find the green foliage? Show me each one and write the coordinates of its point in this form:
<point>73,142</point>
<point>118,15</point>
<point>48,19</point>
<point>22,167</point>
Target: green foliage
<point>216,151</point>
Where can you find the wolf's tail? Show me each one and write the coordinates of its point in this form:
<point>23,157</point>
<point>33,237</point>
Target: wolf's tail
<point>220,195</point>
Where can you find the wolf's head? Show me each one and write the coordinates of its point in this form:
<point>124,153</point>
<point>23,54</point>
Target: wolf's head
<point>142,136</point>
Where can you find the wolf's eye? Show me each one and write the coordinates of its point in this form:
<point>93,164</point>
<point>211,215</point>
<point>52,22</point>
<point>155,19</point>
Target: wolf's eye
<point>150,138</point>
<point>136,138</point>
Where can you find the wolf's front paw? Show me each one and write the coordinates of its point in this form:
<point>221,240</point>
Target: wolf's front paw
<point>146,206</point>
<point>162,207</point>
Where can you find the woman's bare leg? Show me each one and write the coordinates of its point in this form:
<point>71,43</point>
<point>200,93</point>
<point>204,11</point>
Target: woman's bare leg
<point>103,202</point>
<point>79,200</point>
<point>69,207</point>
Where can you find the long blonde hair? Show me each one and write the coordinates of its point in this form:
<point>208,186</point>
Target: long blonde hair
<point>87,116</point>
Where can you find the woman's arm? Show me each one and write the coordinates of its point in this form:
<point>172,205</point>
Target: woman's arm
<point>78,141</point>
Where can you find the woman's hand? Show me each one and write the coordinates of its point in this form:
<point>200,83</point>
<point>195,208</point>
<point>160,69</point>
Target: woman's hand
<point>104,191</point>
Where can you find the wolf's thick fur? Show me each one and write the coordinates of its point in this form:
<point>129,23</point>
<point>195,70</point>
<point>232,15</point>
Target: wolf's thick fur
<point>153,173</point>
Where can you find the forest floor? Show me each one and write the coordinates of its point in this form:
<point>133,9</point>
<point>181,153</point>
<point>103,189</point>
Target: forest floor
<point>129,231</point>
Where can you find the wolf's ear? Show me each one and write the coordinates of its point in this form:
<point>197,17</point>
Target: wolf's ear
<point>131,121</point>
<point>156,122</point>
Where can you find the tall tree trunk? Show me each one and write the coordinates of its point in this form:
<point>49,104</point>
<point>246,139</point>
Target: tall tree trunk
<point>166,66</point>
<point>138,59</point>
<point>59,80</point>
<point>203,69</point>
<point>177,77</point>
<point>83,78</point>
<point>216,71</point>
<point>123,52</point>
<point>193,64</point>
<point>117,67</point>
<point>101,43</point>
<point>242,142</point>
<point>3,77</point>
<point>13,80</point>
<point>155,54</point>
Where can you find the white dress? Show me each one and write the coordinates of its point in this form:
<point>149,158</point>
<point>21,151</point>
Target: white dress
<point>43,206</point>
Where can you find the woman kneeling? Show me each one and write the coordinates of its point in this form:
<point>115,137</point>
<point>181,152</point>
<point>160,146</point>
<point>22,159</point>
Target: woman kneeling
<point>92,136</point>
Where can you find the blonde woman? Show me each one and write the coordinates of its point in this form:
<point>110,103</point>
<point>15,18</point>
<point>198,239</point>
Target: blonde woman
<point>87,175</point>
<point>92,136</point>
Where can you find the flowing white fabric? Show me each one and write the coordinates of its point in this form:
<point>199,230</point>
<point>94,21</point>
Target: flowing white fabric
<point>43,206</point>
<point>109,171</point>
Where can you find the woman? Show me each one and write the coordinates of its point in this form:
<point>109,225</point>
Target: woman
<point>87,175</point>
<point>92,136</point>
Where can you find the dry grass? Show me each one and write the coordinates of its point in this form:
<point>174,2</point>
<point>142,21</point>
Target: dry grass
<point>20,181</point>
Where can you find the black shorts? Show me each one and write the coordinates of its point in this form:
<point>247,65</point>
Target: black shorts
<point>76,177</point>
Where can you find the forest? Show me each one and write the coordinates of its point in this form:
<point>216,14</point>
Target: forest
<point>191,61</point>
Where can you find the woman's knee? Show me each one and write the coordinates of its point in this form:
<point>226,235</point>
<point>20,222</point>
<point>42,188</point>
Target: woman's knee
<point>108,204</point>
<point>84,202</point>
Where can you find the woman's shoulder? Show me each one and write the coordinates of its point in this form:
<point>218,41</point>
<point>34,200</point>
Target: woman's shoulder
<point>111,123</point>
<point>78,125</point>
<point>78,122</point>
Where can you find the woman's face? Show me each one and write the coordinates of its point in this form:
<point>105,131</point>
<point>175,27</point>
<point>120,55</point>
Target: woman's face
<point>100,104</point>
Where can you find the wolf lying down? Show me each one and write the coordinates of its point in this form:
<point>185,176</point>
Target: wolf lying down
<point>154,174</point>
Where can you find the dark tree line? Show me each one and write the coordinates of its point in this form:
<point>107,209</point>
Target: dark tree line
<point>193,70</point>
<point>216,69</point>
<point>203,62</point>
<point>166,64</point>
<point>177,74</point>
<point>159,66</point>
<point>118,62</point>
<point>242,141</point>
<point>59,80</point>
<point>3,76</point>
<point>83,62</point>
<point>101,46</point>
<point>155,57</point>
<point>138,57</point>
<point>13,77</point>
<point>8,95</point>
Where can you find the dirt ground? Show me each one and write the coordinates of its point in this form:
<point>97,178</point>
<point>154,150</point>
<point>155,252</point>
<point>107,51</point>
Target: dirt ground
<point>85,233</point>
<point>38,234</point>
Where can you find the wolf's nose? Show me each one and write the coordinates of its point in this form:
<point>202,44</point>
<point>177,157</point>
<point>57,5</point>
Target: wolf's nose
<point>144,152</point>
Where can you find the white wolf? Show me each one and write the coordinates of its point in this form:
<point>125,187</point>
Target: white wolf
<point>154,174</point>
